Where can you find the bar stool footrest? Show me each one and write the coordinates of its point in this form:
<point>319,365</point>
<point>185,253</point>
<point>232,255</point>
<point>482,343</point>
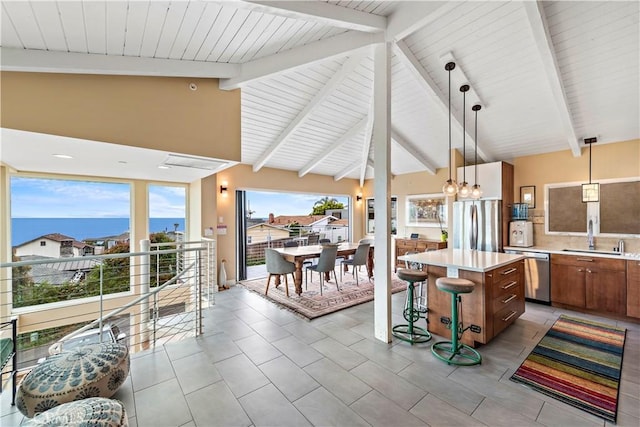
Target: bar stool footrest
<point>464,355</point>
<point>417,335</point>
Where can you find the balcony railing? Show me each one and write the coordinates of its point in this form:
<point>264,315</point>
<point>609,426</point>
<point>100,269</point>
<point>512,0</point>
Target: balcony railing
<point>152,296</point>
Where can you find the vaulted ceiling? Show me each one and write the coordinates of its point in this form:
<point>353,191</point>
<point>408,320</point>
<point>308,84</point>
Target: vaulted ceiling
<point>547,74</point>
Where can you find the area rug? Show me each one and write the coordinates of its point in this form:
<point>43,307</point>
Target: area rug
<point>311,304</point>
<point>577,362</point>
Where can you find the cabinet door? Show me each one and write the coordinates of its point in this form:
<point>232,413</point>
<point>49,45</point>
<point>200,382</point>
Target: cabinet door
<point>568,284</point>
<point>633,288</point>
<point>606,290</point>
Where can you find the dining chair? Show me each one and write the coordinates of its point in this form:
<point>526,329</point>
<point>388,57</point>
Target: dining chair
<point>326,263</point>
<point>359,258</point>
<point>277,265</point>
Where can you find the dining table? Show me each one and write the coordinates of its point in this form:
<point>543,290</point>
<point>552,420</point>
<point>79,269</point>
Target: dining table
<point>299,254</point>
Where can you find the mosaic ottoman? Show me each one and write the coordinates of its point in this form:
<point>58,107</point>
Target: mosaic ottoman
<point>94,411</point>
<point>96,370</point>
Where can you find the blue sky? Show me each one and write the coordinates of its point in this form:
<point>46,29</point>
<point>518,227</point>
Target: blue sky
<point>52,198</point>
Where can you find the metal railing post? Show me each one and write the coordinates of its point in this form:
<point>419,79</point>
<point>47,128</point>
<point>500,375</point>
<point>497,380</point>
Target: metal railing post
<point>145,280</point>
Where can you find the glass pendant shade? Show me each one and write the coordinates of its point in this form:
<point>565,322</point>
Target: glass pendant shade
<point>476,192</point>
<point>464,190</point>
<point>450,188</point>
<point>590,192</point>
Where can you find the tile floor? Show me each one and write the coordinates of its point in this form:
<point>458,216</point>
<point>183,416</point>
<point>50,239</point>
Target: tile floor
<point>259,365</point>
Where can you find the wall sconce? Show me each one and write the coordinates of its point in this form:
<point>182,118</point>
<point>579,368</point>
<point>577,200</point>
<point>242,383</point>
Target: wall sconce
<point>358,197</point>
<point>224,189</point>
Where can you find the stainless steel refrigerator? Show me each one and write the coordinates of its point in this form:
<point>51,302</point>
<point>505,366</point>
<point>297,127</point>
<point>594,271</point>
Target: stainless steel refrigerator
<point>477,224</point>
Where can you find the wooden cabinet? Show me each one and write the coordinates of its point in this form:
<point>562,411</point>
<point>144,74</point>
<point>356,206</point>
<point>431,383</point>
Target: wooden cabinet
<point>594,283</point>
<point>495,303</point>
<point>506,285</point>
<point>633,288</point>
<point>415,245</point>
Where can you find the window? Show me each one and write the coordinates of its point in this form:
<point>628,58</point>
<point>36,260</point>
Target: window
<point>167,210</point>
<point>43,243</point>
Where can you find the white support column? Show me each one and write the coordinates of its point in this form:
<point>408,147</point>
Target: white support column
<point>138,232</point>
<point>382,190</point>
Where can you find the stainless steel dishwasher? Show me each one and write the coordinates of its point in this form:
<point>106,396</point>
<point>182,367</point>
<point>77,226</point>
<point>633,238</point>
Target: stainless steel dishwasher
<point>536,276</point>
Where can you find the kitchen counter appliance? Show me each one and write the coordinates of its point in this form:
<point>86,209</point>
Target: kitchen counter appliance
<point>521,234</point>
<point>536,276</point>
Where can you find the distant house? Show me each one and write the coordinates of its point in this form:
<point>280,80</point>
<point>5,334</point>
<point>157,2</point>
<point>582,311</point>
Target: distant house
<point>103,243</point>
<point>54,245</point>
<point>314,223</point>
<point>327,226</point>
<point>265,232</point>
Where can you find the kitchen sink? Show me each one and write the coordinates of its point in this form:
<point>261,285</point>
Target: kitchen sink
<point>588,251</point>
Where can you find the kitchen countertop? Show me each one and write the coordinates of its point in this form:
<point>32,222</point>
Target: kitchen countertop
<point>463,259</point>
<point>576,251</point>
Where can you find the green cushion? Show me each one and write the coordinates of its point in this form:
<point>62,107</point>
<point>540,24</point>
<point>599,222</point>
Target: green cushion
<point>6,348</point>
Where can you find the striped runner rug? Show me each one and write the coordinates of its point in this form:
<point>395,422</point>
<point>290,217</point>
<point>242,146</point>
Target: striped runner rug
<point>577,362</point>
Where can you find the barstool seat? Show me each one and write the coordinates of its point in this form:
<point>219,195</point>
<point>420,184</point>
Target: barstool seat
<point>454,284</point>
<point>408,332</point>
<point>412,276</point>
<point>453,352</point>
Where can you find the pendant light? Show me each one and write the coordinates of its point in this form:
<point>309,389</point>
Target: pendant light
<point>450,188</point>
<point>476,191</point>
<point>464,190</point>
<point>590,191</point>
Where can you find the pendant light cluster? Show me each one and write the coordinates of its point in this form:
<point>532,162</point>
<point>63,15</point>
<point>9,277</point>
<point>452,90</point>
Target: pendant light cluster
<point>450,187</point>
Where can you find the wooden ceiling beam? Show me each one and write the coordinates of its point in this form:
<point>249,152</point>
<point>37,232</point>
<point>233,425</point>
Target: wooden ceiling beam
<point>542,37</point>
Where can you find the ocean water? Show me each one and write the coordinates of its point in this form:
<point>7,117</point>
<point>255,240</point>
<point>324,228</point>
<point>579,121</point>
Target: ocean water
<point>25,229</point>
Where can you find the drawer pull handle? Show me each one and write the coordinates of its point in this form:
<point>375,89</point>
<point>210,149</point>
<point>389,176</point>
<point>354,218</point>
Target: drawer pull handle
<point>506,319</point>
<point>581,270</point>
<point>585,259</point>
<point>509,271</point>
<point>511,298</point>
<point>509,285</point>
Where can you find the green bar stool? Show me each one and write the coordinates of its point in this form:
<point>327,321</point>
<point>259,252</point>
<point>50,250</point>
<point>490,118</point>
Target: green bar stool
<point>408,332</point>
<point>453,352</point>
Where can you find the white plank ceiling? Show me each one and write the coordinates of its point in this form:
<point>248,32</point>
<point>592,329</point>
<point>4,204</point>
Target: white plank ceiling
<point>547,74</point>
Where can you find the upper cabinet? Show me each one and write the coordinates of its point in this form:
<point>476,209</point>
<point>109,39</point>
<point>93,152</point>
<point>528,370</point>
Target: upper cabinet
<point>495,179</point>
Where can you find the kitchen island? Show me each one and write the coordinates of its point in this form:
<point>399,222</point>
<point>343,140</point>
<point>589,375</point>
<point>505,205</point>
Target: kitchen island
<point>496,301</point>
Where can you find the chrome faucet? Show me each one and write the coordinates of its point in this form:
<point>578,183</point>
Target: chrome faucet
<point>621,246</point>
<point>590,240</point>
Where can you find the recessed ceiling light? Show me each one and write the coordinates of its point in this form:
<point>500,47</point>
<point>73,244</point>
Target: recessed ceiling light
<point>163,167</point>
<point>63,156</point>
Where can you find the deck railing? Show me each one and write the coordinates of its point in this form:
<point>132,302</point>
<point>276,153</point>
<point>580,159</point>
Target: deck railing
<point>152,296</point>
